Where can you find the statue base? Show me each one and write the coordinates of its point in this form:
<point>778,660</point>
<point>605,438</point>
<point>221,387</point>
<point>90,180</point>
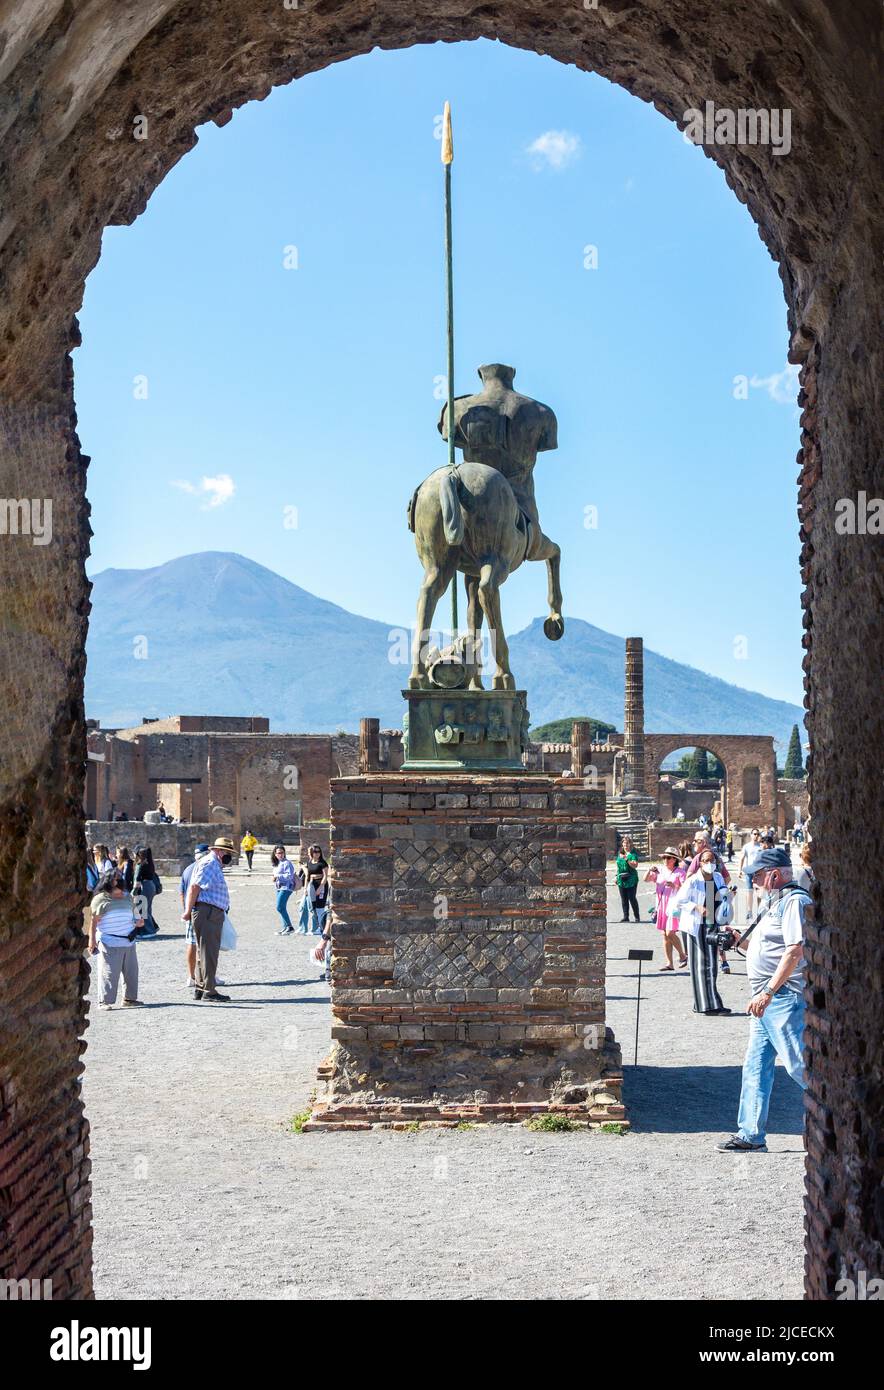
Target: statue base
<point>465,730</point>
<point>468,954</point>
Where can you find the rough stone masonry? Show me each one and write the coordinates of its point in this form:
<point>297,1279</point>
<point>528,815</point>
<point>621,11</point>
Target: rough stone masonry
<point>74,78</point>
<point>468,958</point>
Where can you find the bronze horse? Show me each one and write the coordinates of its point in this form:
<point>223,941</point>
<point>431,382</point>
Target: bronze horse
<point>466,519</point>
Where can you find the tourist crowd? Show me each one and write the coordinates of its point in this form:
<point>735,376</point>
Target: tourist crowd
<point>697,908</point>
<point>123,888</point>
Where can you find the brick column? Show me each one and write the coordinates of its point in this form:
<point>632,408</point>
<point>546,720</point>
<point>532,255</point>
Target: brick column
<point>468,964</point>
<point>634,716</point>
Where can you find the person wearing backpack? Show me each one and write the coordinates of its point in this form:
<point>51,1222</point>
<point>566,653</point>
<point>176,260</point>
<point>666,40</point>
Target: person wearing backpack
<point>775,967</point>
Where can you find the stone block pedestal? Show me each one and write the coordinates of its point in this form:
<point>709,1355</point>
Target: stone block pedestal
<point>465,731</point>
<point>468,965</point>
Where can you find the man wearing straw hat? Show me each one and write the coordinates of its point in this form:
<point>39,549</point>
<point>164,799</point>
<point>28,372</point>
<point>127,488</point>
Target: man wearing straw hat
<point>208,899</point>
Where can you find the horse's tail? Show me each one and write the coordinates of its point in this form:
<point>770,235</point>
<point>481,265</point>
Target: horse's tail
<point>452,512</point>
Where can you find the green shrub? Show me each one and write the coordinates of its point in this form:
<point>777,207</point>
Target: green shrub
<point>551,1124</point>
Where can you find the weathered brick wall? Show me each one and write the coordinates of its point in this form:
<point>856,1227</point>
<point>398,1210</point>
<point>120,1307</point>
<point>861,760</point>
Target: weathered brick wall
<point>468,951</point>
<point>258,768</point>
<point>844,641</point>
<point>72,74</point>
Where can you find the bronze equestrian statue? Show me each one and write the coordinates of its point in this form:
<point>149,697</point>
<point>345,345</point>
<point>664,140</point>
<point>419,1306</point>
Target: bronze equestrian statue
<point>480,518</point>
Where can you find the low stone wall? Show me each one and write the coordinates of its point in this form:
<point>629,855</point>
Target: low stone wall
<point>172,846</point>
<point>468,967</point>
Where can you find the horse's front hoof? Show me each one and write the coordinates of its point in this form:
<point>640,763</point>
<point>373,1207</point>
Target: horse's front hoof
<point>503,683</point>
<point>418,683</point>
<point>554,627</point>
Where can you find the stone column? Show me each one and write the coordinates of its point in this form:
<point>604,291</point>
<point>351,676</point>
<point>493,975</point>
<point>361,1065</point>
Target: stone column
<point>581,740</point>
<point>634,717</point>
<point>369,745</point>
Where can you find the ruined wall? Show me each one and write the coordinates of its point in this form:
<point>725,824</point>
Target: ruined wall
<point>792,792</point>
<point>74,79</point>
<point>265,779</point>
<point>172,846</point>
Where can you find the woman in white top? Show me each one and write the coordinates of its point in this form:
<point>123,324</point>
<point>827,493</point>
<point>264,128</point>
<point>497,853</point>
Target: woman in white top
<point>112,928</point>
<point>700,903</point>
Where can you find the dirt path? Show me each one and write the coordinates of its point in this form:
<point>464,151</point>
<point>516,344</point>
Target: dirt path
<point>202,1191</point>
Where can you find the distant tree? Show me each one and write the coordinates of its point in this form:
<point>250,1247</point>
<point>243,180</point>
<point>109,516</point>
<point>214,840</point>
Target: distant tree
<point>794,766</point>
<point>559,730</point>
<point>700,765</point>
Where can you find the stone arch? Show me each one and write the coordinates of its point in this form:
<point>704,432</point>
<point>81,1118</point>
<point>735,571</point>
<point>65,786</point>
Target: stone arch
<point>736,753</point>
<point>75,80</point>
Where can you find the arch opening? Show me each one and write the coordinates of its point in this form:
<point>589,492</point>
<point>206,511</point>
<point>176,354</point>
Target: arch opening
<point>62,189</point>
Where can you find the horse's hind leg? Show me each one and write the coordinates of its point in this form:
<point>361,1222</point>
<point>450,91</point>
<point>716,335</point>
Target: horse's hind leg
<point>437,577</point>
<point>474,632</point>
<point>547,550</point>
<point>490,580</point>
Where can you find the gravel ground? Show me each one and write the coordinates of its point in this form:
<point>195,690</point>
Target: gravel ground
<point>201,1190</point>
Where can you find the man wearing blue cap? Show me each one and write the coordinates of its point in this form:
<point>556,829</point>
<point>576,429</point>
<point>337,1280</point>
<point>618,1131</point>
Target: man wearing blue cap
<point>775,966</point>
<point>189,935</point>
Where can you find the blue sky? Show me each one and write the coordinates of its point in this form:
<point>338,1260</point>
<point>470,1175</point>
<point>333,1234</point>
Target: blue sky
<point>315,388</point>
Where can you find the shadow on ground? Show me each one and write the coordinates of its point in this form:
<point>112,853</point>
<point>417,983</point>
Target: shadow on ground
<point>682,1100</point>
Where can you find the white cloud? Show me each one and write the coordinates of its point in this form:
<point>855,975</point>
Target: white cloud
<point>217,490</point>
<point>555,149</point>
<point>782,387</point>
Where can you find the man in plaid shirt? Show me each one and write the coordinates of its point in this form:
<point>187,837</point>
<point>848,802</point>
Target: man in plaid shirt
<point>208,899</point>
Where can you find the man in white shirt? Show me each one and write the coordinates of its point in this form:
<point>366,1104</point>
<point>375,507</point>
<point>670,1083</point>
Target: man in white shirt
<point>775,966</point>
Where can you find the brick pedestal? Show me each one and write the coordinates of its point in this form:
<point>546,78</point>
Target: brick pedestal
<point>468,967</point>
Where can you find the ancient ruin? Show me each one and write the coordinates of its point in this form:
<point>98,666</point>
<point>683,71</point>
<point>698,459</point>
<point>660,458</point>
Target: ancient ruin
<point>270,782</point>
<point>75,79</point>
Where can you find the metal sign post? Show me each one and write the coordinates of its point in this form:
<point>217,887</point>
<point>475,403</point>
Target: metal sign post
<point>639,956</point>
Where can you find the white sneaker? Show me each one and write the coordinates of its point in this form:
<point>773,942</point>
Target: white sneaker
<point>105,1007</point>
<point>191,983</point>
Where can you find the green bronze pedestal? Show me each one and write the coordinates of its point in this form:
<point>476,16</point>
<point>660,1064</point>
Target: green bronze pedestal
<point>465,730</point>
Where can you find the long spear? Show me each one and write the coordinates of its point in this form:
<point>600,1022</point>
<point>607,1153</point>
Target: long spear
<point>447,160</point>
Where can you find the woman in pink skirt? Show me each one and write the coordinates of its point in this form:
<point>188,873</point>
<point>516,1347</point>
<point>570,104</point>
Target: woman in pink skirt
<point>668,879</point>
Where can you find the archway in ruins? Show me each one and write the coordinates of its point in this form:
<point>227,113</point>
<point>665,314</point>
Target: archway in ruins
<point>749,767</point>
<point>76,82</point>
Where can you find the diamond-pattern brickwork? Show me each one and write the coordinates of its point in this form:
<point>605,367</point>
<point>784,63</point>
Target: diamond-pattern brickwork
<point>433,864</point>
<point>453,960</point>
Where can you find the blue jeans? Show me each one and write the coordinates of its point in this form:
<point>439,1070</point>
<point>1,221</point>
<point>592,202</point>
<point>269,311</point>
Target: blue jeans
<point>282,898</point>
<point>778,1033</point>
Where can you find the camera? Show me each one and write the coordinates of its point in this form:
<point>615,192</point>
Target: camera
<point>722,937</point>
